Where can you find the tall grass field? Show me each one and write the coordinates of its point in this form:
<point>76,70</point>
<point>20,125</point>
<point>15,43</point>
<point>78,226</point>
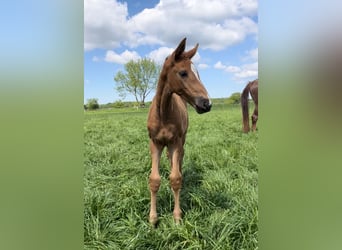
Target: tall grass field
<point>219,196</point>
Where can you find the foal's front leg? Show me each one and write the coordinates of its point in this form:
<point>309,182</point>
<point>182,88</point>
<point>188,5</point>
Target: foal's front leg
<point>154,180</point>
<point>176,156</point>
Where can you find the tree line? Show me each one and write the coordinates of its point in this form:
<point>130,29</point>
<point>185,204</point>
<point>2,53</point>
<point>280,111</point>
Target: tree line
<point>139,78</point>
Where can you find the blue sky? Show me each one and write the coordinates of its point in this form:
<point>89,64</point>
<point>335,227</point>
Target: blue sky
<point>118,31</point>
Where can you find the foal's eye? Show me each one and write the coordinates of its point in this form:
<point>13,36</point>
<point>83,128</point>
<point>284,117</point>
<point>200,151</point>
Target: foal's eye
<point>183,73</point>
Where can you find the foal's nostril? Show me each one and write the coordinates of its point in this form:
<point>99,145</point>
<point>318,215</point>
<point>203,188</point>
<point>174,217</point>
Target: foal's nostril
<point>202,105</point>
<point>207,104</point>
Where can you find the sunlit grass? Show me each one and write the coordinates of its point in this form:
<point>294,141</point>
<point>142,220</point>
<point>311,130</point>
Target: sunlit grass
<point>220,184</point>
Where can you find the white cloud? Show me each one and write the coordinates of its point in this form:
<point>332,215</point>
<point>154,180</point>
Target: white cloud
<point>246,74</point>
<point>122,58</point>
<point>231,69</point>
<point>160,54</point>
<point>105,24</point>
<point>203,66</point>
<point>215,24</point>
<point>219,65</point>
<point>248,70</point>
<point>244,71</point>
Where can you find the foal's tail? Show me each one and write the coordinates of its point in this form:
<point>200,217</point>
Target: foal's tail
<point>244,105</point>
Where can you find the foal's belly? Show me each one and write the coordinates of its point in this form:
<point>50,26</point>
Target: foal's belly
<point>165,135</point>
<point>168,134</point>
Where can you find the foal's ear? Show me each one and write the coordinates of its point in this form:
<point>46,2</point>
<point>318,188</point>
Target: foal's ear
<point>180,49</point>
<point>189,54</point>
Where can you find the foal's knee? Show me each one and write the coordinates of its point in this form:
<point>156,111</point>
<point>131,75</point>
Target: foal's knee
<point>176,182</point>
<point>154,182</point>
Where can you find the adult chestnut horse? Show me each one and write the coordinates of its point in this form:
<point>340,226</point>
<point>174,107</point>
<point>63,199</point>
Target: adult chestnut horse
<point>167,123</point>
<point>252,88</point>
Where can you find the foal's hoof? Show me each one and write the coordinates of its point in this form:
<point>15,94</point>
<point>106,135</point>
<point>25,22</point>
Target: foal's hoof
<point>178,221</point>
<point>177,218</point>
<point>153,221</point>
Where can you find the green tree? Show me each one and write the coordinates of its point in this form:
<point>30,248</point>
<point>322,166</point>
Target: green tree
<point>92,104</point>
<point>139,79</point>
<point>234,98</point>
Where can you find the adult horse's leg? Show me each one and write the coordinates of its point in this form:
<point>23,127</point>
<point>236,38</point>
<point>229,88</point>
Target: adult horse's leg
<point>154,180</point>
<point>176,154</point>
<point>245,111</point>
<point>254,118</point>
<point>254,94</point>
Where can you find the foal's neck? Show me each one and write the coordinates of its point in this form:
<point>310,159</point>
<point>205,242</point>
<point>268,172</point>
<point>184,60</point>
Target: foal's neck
<point>163,99</point>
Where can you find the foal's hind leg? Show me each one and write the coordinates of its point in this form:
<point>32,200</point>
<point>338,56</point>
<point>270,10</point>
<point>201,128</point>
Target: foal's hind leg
<point>154,180</point>
<point>176,153</point>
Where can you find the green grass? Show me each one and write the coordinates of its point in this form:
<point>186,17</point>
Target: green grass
<point>220,184</point>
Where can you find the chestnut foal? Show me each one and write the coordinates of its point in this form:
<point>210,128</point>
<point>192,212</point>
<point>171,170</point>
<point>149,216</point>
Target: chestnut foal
<point>167,123</point>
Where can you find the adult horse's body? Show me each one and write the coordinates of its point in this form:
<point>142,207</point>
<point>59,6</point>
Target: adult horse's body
<point>252,88</point>
<point>167,122</point>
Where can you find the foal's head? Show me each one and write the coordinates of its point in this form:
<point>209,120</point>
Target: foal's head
<point>183,79</point>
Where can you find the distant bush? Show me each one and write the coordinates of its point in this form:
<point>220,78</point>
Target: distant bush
<point>119,104</point>
<point>234,98</point>
<point>92,104</point>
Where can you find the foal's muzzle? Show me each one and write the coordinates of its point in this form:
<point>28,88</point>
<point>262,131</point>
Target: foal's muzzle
<point>202,105</point>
